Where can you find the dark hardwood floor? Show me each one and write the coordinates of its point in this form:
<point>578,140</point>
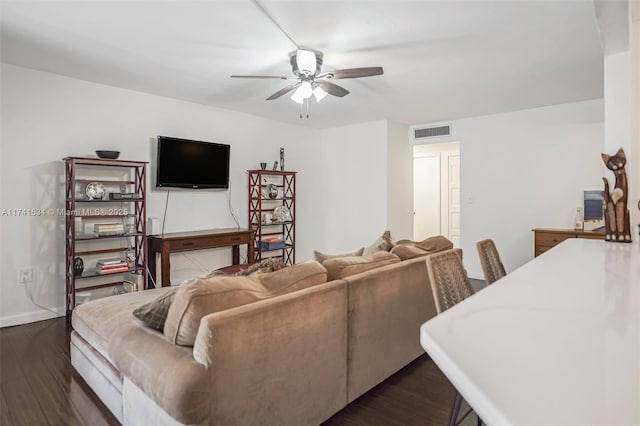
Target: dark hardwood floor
<point>39,387</point>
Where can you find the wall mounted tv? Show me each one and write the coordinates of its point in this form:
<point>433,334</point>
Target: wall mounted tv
<point>184,163</point>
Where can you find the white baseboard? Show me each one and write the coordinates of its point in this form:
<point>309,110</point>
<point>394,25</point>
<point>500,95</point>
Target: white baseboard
<point>28,317</point>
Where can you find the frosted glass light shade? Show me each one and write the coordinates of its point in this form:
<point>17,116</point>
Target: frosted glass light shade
<point>296,97</point>
<point>305,90</point>
<point>319,93</point>
<point>306,61</point>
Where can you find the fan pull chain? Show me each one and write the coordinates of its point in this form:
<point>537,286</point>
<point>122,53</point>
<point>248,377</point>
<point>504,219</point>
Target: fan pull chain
<point>302,106</point>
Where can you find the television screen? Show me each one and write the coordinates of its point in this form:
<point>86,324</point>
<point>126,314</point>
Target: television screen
<point>593,205</point>
<point>183,163</point>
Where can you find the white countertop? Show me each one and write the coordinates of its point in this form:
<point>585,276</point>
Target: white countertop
<point>555,342</point>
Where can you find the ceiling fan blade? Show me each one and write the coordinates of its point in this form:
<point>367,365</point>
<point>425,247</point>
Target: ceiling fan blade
<point>355,72</point>
<point>332,89</point>
<point>283,91</point>
<point>279,77</point>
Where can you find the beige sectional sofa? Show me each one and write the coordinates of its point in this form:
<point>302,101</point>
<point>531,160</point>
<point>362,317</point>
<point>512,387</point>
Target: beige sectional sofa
<point>294,358</point>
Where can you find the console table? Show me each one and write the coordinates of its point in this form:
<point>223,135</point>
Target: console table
<point>196,240</point>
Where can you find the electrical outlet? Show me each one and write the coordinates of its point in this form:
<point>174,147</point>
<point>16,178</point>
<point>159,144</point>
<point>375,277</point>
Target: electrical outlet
<point>26,275</point>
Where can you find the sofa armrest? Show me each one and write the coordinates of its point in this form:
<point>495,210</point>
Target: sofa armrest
<point>278,361</point>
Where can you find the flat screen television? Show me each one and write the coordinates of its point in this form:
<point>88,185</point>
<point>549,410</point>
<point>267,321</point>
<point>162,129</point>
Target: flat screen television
<point>184,163</point>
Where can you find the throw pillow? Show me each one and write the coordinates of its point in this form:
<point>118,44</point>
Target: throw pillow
<point>408,251</point>
<point>435,244</point>
<point>204,296</point>
<point>341,267</point>
<point>383,243</point>
<point>154,313</point>
<point>321,257</point>
<point>267,265</point>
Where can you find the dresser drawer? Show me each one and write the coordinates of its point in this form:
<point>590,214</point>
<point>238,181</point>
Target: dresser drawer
<point>550,239</point>
<point>208,242</point>
<point>592,236</point>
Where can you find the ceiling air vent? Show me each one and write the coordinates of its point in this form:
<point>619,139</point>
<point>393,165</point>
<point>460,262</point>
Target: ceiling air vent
<point>431,132</point>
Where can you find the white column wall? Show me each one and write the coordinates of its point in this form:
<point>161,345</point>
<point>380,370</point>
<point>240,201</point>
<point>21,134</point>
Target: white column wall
<point>354,160</point>
<point>634,33</point>
<point>399,182</point>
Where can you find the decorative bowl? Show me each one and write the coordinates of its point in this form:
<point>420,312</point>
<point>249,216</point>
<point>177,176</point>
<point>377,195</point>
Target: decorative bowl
<point>112,155</point>
<point>95,191</point>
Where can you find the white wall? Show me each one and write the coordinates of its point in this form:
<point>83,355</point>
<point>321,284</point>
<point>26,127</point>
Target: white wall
<point>46,117</point>
<point>617,102</point>
<point>634,33</point>
<point>355,185</point>
<point>525,169</point>
<point>618,126</point>
<point>399,181</point>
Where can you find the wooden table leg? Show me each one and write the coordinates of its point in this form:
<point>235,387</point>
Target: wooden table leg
<point>250,252</point>
<point>235,256</point>
<point>165,266</point>
<point>152,265</point>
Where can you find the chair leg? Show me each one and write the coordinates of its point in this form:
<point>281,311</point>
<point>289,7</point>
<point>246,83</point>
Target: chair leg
<point>455,409</point>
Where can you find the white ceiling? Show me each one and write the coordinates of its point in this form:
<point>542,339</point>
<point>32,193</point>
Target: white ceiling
<point>441,59</point>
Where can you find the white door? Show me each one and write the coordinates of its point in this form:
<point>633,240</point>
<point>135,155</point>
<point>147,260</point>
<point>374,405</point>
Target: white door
<point>450,196</point>
<point>426,195</point>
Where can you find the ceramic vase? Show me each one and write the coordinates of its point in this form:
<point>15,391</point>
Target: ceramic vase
<point>78,266</point>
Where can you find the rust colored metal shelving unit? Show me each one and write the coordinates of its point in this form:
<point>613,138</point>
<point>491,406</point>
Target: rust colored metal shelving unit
<point>261,205</point>
<point>79,206</point>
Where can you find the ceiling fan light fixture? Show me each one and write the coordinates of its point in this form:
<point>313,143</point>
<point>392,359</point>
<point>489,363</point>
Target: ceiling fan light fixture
<point>297,98</point>
<point>306,61</point>
<point>305,90</point>
<point>319,93</point>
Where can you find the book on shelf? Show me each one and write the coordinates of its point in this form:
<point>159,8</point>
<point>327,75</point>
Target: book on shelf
<point>103,271</point>
<point>110,261</point>
<point>108,228</point>
<point>116,266</point>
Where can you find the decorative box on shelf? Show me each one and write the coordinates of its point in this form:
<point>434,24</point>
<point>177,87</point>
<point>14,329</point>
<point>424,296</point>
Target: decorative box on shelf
<point>272,245</point>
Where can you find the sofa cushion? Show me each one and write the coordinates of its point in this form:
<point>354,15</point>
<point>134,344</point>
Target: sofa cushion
<point>408,251</point>
<point>166,373</point>
<point>154,313</point>
<point>96,321</point>
<point>341,267</point>
<point>383,243</point>
<point>321,257</point>
<point>435,244</point>
<point>203,296</point>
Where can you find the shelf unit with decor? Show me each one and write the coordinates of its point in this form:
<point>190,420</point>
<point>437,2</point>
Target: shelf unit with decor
<point>83,213</point>
<point>262,208</point>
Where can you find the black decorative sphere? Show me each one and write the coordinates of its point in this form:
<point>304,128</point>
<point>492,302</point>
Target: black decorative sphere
<point>78,265</point>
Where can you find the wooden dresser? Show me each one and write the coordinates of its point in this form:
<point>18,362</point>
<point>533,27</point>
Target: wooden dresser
<point>547,238</point>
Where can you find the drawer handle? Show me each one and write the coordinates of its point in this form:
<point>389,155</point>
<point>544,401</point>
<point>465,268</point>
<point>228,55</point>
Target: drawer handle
<point>235,238</point>
<point>187,244</point>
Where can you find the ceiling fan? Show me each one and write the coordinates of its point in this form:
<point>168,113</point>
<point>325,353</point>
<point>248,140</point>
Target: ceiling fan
<point>308,78</point>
